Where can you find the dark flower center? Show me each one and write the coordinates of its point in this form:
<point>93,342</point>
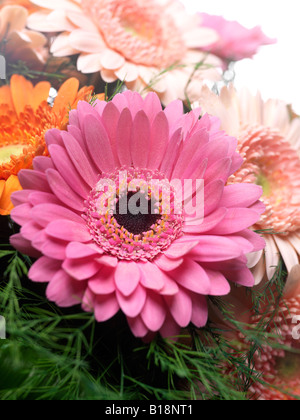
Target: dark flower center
<point>135,214</point>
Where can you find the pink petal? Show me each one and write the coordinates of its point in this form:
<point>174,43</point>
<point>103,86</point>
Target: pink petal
<point>30,230</point>
<point>42,163</point>
<point>108,261</point>
<point>132,305</point>
<point>167,264</point>
<point>170,329</point>
<point>242,277</point>
<point>236,163</point>
<point>245,245</point>
<point>52,248</point>
<point>89,63</point>
<point>44,269</point>
<point>39,239</point>
<point>256,240</point>
<point>37,198</point>
<point>79,159</point>
<point>63,191</point>
<point>207,224</point>
<point>23,246</point>
<point>66,169</point>
<point>212,195</point>
<point>181,247</point>
<point>137,327</point>
<point>236,220</point>
<point>154,312</point>
<point>219,284</point>
<point>127,277</point>
<point>65,291</point>
<point>86,42</point>
<point>61,47</point>
<point>174,112</point>
<point>128,73</point>
<point>195,170</point>
<point>188,152</point>
<point>159,140</point>
<point>22,214</point>
<point>78,250</point>
<point>240,195</point>
<point>199,311</point>
<point>152,277</point>
<point>110,119</point>
<point>219,170</point>
<point>81,268</point>
<point>33,180</point>
<point>68,231</point>
<point>152,106</point>
<point>75,130</point>
<point>135,102</point>
<point>140,143</point>
<point>171,153</point>
<point>105,307</point>
<point>47,213</point>
<point>180,306</point>
<point>53,136</point>
<point>170,288</point>
<point>20,197</point>
<point>259,207</point>
<point>82,21</point>
<point>216,248</point>
<point>120,102</point>
<point>111,60</point>
<point>193,277</point>
<point>103,283</point>
<point>123,137</point>
<point>230,265</point>
<point>215,150</point>
<point>98,144</point>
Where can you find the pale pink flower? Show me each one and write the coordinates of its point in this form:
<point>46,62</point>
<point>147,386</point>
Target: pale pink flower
<point>277,361</point>
<point>269,141</point>
<point>130,40</point>
<point>17,42</point>
<point>235,41</point>
<point>157,268</point>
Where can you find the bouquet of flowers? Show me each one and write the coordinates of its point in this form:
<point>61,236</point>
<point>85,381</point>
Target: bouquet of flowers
<point>150,211</point>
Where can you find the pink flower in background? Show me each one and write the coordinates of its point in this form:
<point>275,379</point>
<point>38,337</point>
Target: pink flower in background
<point>269,142</point>
<point>277,361</point>
<point>156,267</point>
<point>131,40</point>
<point>236,42</point>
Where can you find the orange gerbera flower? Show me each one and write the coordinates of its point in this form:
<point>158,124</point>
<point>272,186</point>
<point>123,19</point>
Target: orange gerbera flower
<point>25,116</point>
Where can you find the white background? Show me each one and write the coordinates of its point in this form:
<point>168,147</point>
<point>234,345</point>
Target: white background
<point>275,70</point>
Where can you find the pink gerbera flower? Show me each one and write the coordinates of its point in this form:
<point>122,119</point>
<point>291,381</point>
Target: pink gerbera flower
<point>269,141</point>
<point>156,266</point>
<point>236,42</point>
<point>130,40</point>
